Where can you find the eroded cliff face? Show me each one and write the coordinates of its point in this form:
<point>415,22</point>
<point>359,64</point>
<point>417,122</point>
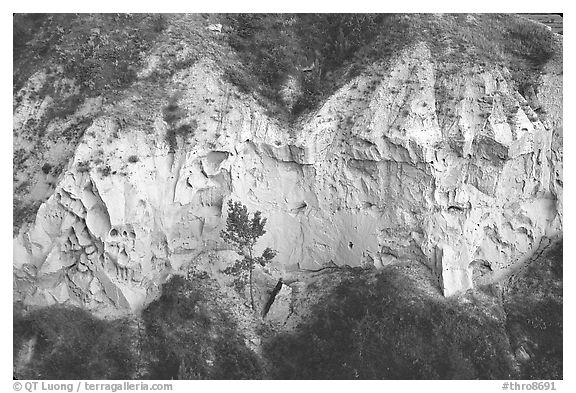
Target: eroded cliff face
<point>445,164</point>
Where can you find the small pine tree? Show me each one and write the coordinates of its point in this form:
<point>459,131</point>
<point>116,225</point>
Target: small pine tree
<point>242,232</point>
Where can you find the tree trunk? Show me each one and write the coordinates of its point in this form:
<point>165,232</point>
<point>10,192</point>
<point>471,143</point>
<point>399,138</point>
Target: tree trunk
<point>251,291</point>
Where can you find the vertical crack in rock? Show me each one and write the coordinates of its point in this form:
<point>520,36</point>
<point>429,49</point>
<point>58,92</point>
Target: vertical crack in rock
<point>272,297</point>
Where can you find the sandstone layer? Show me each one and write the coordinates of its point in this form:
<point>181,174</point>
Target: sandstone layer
<point>411,160</point>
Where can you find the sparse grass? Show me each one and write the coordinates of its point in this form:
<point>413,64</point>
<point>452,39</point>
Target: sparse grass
<point>276,47</point>
<point>23,211</point>
<point>173,115</point>
<point>523,46</point>
<point>83,166</point>
<point>105,171</point>
<point>100,51</point>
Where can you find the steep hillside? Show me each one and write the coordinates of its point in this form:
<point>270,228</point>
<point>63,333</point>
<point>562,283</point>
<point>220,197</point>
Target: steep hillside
<point>346,324</point>
<point>429,145</point>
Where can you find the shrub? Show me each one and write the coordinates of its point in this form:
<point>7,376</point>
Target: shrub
<point>190,336</point>
<point>533,304</point>
<point>46,168</point>
<point>173,114</point>
<point>276,47</point>
<point>391,329</point>
<point>72,344</point>
<point>83,166</point>
<point>106,170</point>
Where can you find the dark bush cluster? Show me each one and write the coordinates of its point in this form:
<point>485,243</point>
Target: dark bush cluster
<point>190,337</point>
<point>322,51</point>
<point>173,114</point>
<point>185,334</point>
<point>530,41</point>
<point>533,305</point>
<point>307,47</point>
<point>389,325</point>
<point>70,343</point>
<point>391,329</point>
<point>394,328</point>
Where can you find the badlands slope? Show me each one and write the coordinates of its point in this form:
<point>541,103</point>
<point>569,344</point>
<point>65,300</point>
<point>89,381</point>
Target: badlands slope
<point>437,152</point>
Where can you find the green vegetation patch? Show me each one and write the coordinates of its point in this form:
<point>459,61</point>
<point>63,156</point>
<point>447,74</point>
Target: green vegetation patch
<point>533,304</point>
<point>100,51</point>
<point>391,324</point>
<point>189,336</point>
<point>306,47</point>
<point>317,53</point>
<point>394,327</point>
<point>185,334</point>
<point>61,342</point>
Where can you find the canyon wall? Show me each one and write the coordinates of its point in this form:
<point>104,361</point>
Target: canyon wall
<point>446,164</point>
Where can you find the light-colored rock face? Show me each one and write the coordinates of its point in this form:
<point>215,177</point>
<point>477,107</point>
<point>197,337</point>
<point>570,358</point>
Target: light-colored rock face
<point>450,167</point>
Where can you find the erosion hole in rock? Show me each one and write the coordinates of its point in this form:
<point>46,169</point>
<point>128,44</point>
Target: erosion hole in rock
<point>367,205</point>
<point>298,207</point>
<point>211,163</point>
<point>481,264</point>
